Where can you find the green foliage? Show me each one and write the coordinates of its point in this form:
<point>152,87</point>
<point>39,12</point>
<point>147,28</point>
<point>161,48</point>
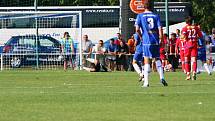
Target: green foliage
<point>203,10</point>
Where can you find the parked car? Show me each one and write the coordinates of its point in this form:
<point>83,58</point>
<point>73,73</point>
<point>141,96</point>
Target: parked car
<point>21,50</point>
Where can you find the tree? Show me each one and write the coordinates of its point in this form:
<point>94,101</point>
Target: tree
<point>202,11</point>
<point>204,14</point>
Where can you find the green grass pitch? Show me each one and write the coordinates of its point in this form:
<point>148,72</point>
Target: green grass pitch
<point>115,96</point>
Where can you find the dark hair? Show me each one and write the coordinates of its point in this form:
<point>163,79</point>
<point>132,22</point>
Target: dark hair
<point>173,34</point>
<point>178,30</point>
<point>101,41</point>
<point>188,20</point>
<point>66,33</point>
<point>112,39</point>
<point>147,4</point>
<point>165,34</point>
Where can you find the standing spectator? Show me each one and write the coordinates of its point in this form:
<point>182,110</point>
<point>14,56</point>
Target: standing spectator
<point>67,47</point>
<point>122,57</point>
<point>172,55</point>
<point>131,47</point>
<point>112,49</point>
<point>87,46</point>
<point>212,40</point>
<point>178,33</point>
<point>163,52</point>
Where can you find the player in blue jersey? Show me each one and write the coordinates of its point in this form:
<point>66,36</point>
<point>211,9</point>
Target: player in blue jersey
<point>148,27</point>
<point>138,57</point>
<point>202,54</point>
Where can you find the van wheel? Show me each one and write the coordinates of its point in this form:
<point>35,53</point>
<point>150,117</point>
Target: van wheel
<point>16,62</point>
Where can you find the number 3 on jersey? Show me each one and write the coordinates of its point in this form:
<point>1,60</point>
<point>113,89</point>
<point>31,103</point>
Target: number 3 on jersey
<point>150,23</point>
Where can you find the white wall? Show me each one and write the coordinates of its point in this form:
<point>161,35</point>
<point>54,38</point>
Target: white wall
<point>94,34</point>
<point>172,28</point>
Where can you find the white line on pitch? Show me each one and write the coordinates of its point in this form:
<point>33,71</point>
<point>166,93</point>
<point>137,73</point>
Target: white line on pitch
<point>145,93</point>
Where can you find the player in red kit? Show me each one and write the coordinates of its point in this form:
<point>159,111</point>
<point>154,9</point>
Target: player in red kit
<point>191,33</point>
<point>163,46</point>
<point>179,49</point>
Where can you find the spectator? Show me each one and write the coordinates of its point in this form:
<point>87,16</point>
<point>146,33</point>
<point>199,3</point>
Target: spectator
<point>212,37</point>
<point>100,52</point>
<point>172,55</point>
<point>87,46</point>
<point>112,49</point>
<point>163,50</point>
<point>67,47</point>
<point>118,39</point>
<point>95,66</point>
<point>122,57</point>
<point>212,41</point>
<point>178,33</point>
<point>131,47</point>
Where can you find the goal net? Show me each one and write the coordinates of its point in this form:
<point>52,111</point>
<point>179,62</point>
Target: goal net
<point>32,39</point>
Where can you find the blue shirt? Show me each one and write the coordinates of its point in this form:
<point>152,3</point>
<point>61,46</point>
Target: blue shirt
<point>202,45</point>
<point>212,39</point>
<point>112,48</point>
<point>201,41</point>
<point>138,43</point>
<point>66,43</point>
<point>149,24</point>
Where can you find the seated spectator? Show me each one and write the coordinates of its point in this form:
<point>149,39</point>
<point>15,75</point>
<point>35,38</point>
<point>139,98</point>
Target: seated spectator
<point>122,57</point>
<point>95,66</point>
<point>100,52</point>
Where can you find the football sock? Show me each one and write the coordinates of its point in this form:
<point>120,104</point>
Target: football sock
<point>159,69</point>
<point>207,68</point>
<point>187,67</point>
<point>194,67</point>
<point>142,70</point>
<point>137,68</point>
<point>163,64</point>
<point>146,74</point>
<point>183,66</point>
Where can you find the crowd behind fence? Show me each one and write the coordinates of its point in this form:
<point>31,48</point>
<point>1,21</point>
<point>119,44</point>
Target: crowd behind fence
<point>120,59</point>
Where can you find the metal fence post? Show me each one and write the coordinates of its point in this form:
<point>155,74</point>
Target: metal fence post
<point>1,62</point>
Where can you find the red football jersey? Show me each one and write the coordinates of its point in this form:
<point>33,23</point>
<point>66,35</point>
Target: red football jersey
<point>172,44</point>
<point>191,33</point>
<point>163,44</point>
<point>180,44</point>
